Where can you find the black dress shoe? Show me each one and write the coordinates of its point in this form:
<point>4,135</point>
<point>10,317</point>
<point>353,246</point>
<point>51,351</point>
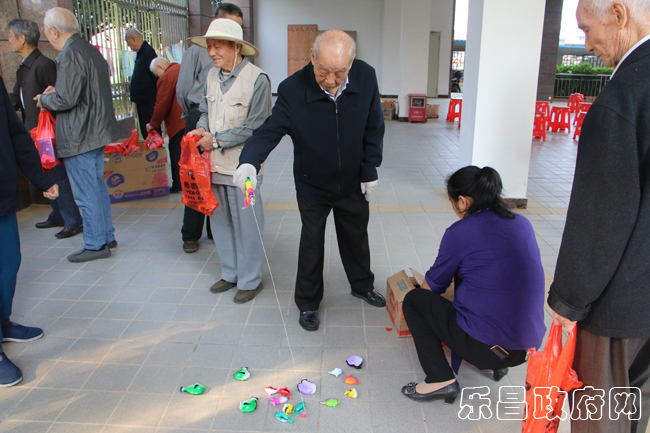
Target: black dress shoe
<point>448,393</point>
<point>48,225</point>
<point>112,244</point>
<point>309,320</point>
<point>373,297</point>
<point>500,374</point>
<point>68,232</point>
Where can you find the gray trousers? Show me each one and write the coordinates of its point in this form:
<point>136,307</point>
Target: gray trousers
<point>236,237</point>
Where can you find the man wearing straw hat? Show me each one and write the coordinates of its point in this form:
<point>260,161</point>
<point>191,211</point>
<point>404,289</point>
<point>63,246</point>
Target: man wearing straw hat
<point>238,100</point>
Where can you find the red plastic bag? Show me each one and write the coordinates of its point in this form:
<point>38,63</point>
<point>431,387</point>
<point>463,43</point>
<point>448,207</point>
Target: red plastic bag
<point>45,141</point>
<point>154,140</point>
<point>131,143</point>
<point>115,148</point>
<point>195,177</point>
<point>550,369</point>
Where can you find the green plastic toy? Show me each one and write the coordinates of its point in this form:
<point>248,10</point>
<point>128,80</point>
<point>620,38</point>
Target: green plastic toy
<point>282,417</point>
<point>248,406</point>
<point>242,374</point>
<point>300,408</point>
<point>195,389</point>
<point>331,402</point>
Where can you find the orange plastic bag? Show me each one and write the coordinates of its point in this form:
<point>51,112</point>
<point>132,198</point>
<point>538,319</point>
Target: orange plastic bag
<point>154,140</point>
<point>549,369</point>
<point>195,177</point>
<point>131,143</point>
<point>45,140</point>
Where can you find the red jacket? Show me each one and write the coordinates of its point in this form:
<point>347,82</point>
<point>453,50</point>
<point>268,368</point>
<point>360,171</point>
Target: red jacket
<point>167,107</point>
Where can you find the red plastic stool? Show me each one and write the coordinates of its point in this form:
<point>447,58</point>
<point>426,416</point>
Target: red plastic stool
<point>584,107</point>
<point>560,119</point>
<point>454,114</point>
<point>575,99</point>
<point>580,117</point>
<point>540,126</point>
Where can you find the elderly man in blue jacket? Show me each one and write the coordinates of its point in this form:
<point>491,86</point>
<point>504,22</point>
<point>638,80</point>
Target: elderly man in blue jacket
<point>331,110</point>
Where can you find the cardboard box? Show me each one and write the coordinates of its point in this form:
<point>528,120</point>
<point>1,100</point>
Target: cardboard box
<point>433,110</point>
<point>387,109</point>
<point>397,286</point>
<point>140,174</point>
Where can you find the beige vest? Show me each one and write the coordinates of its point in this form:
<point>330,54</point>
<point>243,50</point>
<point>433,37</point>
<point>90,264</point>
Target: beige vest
<point>229,110</point>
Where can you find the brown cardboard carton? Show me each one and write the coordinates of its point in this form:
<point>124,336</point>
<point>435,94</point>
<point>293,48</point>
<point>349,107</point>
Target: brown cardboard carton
<point>433,111</point>
<point>397,286</point>
<point>387,109</point>
<point>137,175</point>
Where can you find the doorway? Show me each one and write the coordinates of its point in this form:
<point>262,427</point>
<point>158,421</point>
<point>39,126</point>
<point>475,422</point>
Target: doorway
<point>434,64</point>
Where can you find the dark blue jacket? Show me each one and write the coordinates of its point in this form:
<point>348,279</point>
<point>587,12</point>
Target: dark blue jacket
<point>143,81</point>
<point>17,150</point>
<point>336,145</point>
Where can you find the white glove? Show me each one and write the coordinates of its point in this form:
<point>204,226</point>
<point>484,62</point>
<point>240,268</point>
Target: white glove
<point>368,188</point>
<point>243,172</point>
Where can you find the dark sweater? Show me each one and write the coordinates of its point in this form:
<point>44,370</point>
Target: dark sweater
<point>499,279</point>
<point>336,145</point>
<point>602,276</point>
<point>17,150</point>
<point>143,81</point>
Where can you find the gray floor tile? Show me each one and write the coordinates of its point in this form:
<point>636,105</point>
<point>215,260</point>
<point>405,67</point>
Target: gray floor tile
<point>141,410</point>
<point>105,329</point>
<point>187,412</point>
<point>157,379</point>
<point>91,407</point>
<point>128,352</point>
<point>87,349</point>
<point>47,348</point>
<point>64,427</point>
<point>67,375</point>
<point>41,405</point>
<point>121,310</point>
<point>24,427</point>
<point>213,356</point>
<point>86,309</point>
<point>111,377</point>
<point>176,354</point>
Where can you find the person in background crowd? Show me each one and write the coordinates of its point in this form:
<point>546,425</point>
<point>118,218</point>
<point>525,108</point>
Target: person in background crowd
<point>238,100</point>
<point>34,75</point>
<point>17,151</point>
<point>85,123</point>
<point>493,258</point>
<point>143,81</point>
<point>602,278</point>
<point>331,110</point>
<point>167,109</point>
<point>190,91</point>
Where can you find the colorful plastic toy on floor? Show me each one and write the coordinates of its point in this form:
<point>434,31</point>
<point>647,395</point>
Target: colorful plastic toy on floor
<point>336,372</point>
<point>355,361</point>
<point>250,193</point>
<point>352,393</point>
<point>242,374</point>
<point>300,409</point>
<point>351,380</point>
<point>330,402</point>
<point>248,406</point>
<point>195,389</point>
<point>283,417</point>
<point>306,387</point>
<point>278,400</point>
<point>287,409</point>
<point>285,392</point>
<point>270,390</point>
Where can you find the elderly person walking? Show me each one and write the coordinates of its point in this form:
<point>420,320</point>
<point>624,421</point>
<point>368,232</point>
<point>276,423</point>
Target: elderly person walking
<point>602,279</point>
<point>143,81</point>
<point>237,100</point>
<point>85,124</point>
<point>35,74</point>
<point>331,110</point>
<point>167,109</point>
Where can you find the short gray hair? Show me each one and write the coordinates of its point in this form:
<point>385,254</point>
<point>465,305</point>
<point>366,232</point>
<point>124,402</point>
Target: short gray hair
<point>331,35</point>
<point>27,28</point>
<point>133,34</point>
<point>61,19</point>
<point>600,7</point>
<point>155,61</point>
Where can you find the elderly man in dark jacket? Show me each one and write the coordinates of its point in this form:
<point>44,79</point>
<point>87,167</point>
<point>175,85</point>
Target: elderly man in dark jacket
<point>34,75</point>
<point>17,151</point>
<point>331,110</point>
<point>85,123</point>
<point>602,279</point>
<point>143,81</point>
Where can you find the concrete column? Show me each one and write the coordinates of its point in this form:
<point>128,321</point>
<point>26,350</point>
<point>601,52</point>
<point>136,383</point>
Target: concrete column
<point>549,58</point>
<point>498,99</point>
<point>414,50</point>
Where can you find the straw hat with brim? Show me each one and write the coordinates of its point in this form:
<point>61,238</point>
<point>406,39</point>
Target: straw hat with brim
<point>226,30</point>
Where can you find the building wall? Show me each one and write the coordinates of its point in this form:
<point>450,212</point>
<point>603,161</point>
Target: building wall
<point>442,13</point>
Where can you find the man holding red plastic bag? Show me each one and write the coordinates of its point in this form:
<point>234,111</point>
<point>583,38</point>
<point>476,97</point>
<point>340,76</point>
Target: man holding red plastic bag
<point>238,100</point>
<point>602,278</point>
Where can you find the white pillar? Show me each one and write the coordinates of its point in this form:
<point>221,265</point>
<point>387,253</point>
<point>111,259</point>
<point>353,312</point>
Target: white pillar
<point>504,39</point>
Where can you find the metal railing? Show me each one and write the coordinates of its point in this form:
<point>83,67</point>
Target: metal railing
<point>104,23</point>
<point>587,84</point>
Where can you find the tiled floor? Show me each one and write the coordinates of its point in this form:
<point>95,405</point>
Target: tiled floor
<point>123,334</point>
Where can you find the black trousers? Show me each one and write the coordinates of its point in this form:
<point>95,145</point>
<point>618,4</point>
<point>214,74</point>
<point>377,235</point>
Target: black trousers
<point>145,112</point>
<point>174,157</point>
<point>432,320</point>
<point>193,220</point>
<point>351,216</point>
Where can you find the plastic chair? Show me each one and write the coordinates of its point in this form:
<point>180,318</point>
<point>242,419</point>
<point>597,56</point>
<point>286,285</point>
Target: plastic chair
<point>584,107</point>
<point>545,108</point>
<point>540,126</point>
<point>454,114</point>
<point>580,117</point>
<point>575,99</point>
<point>560,119</point>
